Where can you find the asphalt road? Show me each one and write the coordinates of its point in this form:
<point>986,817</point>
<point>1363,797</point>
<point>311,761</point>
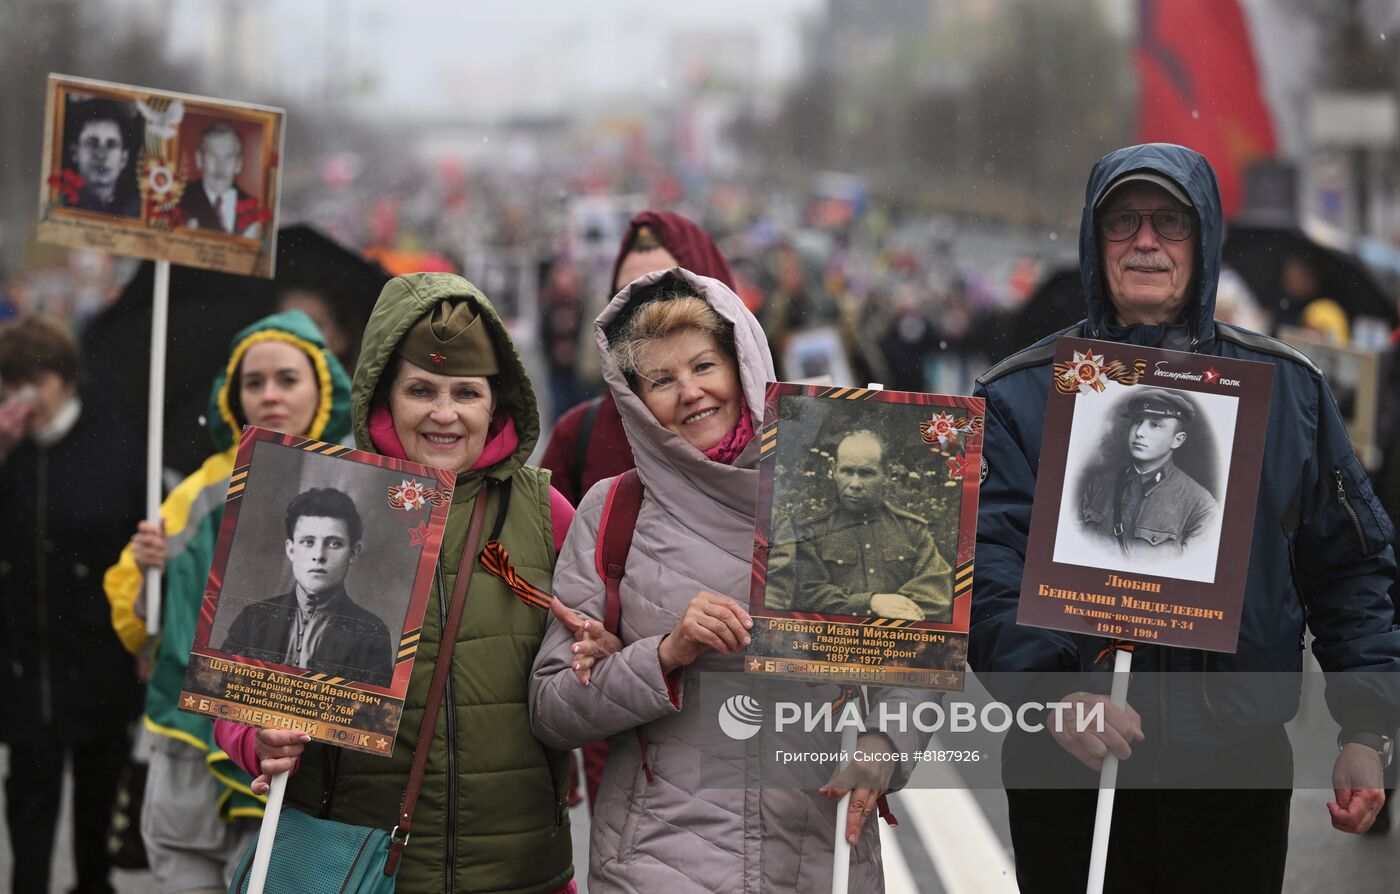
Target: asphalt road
<point>952,840</point>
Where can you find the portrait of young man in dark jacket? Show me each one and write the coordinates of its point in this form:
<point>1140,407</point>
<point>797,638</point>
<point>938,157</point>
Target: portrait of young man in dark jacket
<point>1320,558</point>
<point>317,625</point>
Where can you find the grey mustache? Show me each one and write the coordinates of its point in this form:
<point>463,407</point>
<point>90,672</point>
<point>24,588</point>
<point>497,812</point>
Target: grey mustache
<point>1146,260</point>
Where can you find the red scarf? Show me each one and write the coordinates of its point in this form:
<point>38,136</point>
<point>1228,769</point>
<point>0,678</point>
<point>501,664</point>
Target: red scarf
<point>732,444</point>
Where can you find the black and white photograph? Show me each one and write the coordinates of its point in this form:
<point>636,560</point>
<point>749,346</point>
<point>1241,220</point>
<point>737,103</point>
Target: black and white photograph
<point>1145,481</point>
<point>102,140</point>
<point>858,535</point>
<point>863,547</point>
<point>317,624</point>
<point>314,604</point>
<point>319,569</point>
<point>1148,472</point>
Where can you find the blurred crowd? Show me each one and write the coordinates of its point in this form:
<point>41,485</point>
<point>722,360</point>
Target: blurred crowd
<point>848,288</point>
<point>845,283</point>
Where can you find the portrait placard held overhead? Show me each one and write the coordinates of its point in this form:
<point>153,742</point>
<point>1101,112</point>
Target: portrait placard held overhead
<point>161,175</point>
<point>1147,483</point>
<point>863,553</point>
<point>315,600</point>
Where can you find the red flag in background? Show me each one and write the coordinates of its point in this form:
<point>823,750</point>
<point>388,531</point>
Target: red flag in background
<point>1201,87</point>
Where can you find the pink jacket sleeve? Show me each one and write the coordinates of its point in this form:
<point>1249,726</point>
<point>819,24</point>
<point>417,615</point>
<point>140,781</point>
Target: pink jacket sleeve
<point>237,741</point>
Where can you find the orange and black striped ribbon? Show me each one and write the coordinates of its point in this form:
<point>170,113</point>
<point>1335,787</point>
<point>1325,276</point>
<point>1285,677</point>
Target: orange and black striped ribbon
<point>1115,370</point>
<point>1107,652</point>
<point>496,561</point>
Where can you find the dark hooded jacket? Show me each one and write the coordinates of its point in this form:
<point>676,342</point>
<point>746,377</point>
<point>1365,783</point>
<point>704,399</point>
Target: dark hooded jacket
<point>1320,553</point>
<point>68,508</point>
<point>588,443</point>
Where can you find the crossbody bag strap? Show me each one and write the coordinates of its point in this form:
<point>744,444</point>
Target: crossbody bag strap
<point>438,686</point>
<point>615,529</point>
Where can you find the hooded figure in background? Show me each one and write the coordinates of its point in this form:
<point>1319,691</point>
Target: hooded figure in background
<point>588,443</point>
<point>1149,253</point>
<point>279,375</point>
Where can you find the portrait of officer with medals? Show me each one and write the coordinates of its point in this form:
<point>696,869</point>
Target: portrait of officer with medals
<point>1148,507</point>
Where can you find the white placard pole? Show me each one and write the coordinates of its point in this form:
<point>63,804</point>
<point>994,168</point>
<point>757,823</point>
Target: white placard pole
<point>257,878</point>
<point>841,856</point>
<point>155,426</point>
<point>1108,779</point>
<point>841,848</point>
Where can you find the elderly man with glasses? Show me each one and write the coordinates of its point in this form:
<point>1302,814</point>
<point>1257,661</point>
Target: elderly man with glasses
<point>1206,779</point>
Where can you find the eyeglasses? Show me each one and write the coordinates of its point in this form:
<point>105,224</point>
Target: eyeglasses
<point>1170,224</point>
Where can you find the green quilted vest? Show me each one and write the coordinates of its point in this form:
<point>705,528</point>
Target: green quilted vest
<point>490,813</point>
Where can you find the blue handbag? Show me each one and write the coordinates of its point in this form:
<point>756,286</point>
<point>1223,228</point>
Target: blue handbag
<point>310,856</point>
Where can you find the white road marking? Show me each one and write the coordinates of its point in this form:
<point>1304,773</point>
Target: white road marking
<point>898,879</point>
<point>969,856</point>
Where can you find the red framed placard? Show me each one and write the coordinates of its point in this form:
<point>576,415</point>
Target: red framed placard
<point>865,582</point>
<point>334,663</point>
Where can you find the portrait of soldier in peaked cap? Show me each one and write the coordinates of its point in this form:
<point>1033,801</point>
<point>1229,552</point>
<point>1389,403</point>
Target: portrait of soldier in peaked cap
<point>1145,480</point>
<point>1150,507</point>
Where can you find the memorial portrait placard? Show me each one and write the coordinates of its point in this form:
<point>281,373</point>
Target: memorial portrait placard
<point>1145,494</point>
<point>867,514</point>
<point>160,175</point>
<point>811,353</point>
<point>314,605</point>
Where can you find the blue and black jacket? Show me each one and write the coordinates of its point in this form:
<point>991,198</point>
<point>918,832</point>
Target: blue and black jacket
<point>1320,553</point>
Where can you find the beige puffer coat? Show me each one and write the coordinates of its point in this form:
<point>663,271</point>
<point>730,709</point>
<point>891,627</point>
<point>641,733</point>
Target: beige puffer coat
<point>694,532</point>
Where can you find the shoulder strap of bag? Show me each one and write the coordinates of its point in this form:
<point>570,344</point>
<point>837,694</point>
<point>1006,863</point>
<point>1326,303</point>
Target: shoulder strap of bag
<point>438,686</point>
<point>585,435</point>
<point>615,529</point>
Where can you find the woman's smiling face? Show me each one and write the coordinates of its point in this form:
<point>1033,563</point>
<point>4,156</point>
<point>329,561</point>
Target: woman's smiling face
<point>691,385</point>
<point>441,421</point>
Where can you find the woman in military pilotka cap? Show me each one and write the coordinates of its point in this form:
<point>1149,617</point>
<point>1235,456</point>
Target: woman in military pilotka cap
<point>1151,507</point>
<point>440,383</point>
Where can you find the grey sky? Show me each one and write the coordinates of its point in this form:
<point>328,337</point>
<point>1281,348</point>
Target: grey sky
<point>483,57</point>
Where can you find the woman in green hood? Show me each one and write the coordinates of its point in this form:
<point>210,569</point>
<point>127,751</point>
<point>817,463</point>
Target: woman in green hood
<point>439,382</point>
<point>200,810</point>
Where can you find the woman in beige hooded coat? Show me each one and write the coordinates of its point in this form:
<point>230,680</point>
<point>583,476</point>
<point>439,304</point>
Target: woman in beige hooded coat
<point>690,388</point>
